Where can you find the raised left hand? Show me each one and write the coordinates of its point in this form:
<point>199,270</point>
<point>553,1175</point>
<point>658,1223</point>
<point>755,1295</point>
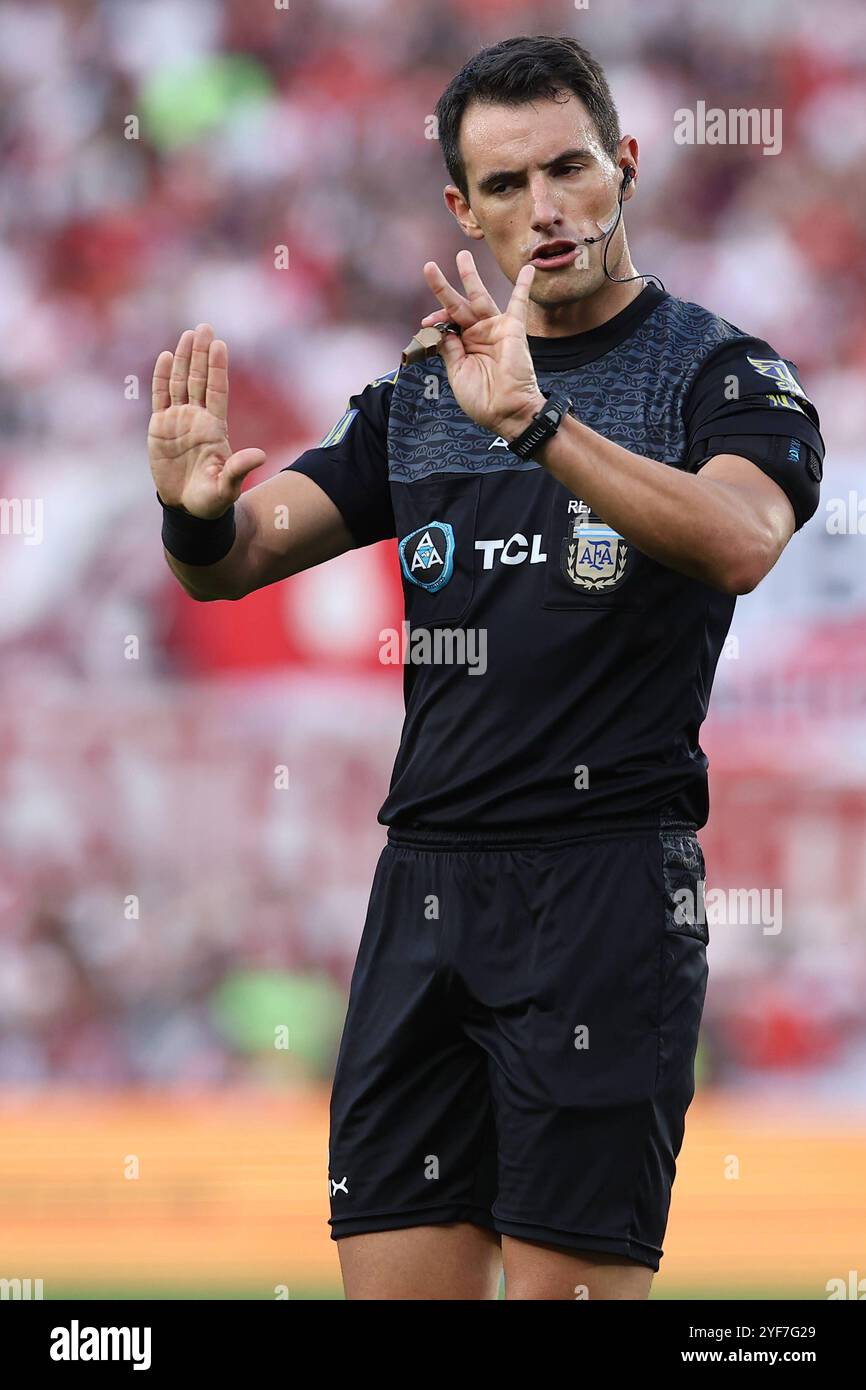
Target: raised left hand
<point>489,365</point>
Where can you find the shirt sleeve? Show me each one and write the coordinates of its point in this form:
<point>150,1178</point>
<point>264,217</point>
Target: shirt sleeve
<point>746,400</point>
<point>351,463</point>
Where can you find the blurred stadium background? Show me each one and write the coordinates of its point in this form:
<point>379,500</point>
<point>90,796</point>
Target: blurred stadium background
<point>163,908</point>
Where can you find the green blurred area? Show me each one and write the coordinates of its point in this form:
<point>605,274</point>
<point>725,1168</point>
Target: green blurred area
<point>184,101</point>
<point>288,1021</point>
<point>159,1293</point>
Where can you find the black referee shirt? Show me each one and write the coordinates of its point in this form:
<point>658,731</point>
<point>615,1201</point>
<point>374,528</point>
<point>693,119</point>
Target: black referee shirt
<point>556,678</point>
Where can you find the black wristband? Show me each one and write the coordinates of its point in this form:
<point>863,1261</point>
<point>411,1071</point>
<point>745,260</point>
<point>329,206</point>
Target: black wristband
<point>543,425</point>
<point>195,540</point>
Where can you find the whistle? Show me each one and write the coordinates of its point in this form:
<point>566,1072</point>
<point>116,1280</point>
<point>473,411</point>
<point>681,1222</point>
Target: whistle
<point>426,343</point>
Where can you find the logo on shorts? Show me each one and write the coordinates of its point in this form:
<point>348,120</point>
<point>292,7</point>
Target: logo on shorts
<point>593,556</point>
<point>427,555</point>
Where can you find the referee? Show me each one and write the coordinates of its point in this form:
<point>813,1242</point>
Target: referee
<point>587,479</point>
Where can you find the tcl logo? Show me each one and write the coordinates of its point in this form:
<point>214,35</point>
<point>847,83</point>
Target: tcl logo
<point>511,552</point>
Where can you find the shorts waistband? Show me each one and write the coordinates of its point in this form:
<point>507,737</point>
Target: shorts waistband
<point>425,837</point>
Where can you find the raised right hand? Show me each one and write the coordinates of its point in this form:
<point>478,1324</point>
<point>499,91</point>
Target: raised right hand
<point>187,439</point>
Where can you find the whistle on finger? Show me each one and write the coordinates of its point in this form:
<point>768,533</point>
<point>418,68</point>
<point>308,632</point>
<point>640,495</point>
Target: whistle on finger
<point>426,343</point>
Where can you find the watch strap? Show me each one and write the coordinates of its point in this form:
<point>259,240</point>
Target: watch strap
<point>543,425</point>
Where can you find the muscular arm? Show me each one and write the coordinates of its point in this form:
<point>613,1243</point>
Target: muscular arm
<point>726,526</point>
<point>283,526</point>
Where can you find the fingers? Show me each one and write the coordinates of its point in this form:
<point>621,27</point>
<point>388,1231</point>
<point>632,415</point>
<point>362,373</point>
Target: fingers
<point>482,302</point>
<point>184,373</point>
<point>451,349</point>
<point>242,463</point>
<point>458,309</point>
<point>466,310</point>
<point>198,367</point>
<point>519,301</point>
<point>180,367</point>
<point>217,394</point>
<point>437,316</point>
<point>159,392</point>
<point>195,374</point>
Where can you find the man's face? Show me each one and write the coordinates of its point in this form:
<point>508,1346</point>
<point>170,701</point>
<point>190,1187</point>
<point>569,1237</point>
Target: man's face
<point>537,174</point>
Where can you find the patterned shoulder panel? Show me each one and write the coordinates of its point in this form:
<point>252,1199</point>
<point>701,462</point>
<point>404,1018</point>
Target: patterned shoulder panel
<point>429,434</point>
<point>685,335</point>
<point>633,394</point>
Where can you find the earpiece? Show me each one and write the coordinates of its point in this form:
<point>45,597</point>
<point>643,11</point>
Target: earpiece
<point>628,173</point>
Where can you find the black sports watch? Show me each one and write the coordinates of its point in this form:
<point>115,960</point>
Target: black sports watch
<point>543,424</point>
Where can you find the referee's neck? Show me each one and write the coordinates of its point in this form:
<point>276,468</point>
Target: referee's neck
<point>581,315</point>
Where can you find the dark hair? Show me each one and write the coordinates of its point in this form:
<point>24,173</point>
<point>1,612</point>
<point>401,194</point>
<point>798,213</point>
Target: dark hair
<point>516,71</point>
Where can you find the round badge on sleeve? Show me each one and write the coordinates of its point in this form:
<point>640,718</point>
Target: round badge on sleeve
<point>427,555</point>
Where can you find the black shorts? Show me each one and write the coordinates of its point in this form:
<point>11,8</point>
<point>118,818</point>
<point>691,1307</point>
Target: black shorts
<point>520,1039</point>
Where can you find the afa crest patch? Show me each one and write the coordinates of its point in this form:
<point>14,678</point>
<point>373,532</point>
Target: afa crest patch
<point>427,555</point>
<point>593,556</point>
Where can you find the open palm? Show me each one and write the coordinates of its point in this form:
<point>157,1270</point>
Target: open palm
<point>187,440</point>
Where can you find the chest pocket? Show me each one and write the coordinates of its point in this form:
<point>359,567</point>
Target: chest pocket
<point>589,564</point>
<point>436,528</point>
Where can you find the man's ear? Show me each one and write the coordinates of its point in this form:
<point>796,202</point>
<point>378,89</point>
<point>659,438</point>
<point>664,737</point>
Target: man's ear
<point>629,153</point>
<point>460,209</point>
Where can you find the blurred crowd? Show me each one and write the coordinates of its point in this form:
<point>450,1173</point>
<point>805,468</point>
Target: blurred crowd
<point>161,910</point>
